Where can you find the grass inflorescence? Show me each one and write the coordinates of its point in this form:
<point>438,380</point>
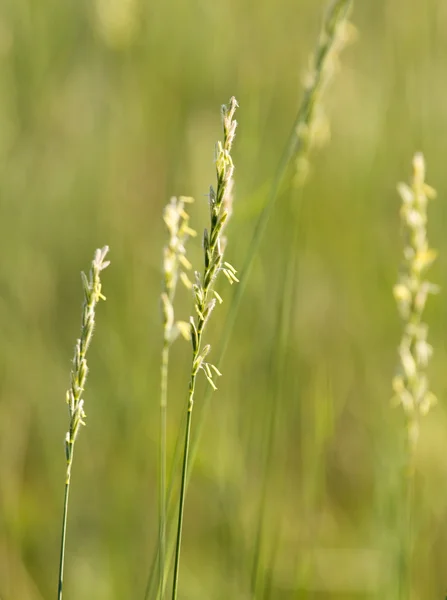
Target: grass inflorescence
<point>175,267</point>
<point>310,129</point>
<point>288,430</point>
<point>206,297</point>
<point>410,384</point>
<point>78,378</point>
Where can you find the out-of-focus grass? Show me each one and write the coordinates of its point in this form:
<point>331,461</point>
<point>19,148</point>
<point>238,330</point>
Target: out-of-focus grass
<point>101,121</point>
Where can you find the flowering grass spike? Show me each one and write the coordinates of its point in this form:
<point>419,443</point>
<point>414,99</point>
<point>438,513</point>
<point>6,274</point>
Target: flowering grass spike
<point>175,267</point>
<point>205,297</point>
<point>410,384</point>
<point>79,372</point>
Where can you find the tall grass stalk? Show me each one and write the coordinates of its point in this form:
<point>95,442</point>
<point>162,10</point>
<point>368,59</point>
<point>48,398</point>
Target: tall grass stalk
<point>410,384</point>
<point>278,358</point>
<point>205,297</point>
<point>92,295</point>
<point>175,266</point>
<point>293,166</point>
<point>311,124</point>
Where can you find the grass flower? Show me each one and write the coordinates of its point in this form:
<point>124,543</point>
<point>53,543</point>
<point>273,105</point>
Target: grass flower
<point>312,127</point>
<point>75,401</point>
<point>410,384</point>
<point>205,297</point>
<point>175,267</point>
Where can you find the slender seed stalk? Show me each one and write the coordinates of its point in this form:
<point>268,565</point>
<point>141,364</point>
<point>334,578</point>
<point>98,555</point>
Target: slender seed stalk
<point>177,222</point>
<point>92,295</point>
<point>63,538</point>
<point>304,136</point>
<point>205,297</point>
<point>182,499</point>
<point>279,356</point>
<point>410,384</point>
<point>162,482</point>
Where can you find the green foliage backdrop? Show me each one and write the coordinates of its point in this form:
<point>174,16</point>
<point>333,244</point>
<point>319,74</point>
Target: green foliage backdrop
<point>108,108</point>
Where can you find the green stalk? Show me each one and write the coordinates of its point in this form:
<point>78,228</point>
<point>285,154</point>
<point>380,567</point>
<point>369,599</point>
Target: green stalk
<point>63,538</point>
<point>279,356</point>
<point>92,295</point>
<point>162,483</point>
<point>410,384</point>
<point>183,488</point>
<point>407,536</point>
<point>220,204</point>
<point>177,222</point>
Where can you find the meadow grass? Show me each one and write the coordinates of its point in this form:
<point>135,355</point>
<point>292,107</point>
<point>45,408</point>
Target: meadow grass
<point>175,267</point>
<point>74,398</point>
<point>206,297</point>
<point>410,384</point>
<point>300,487</point>
<point>295,164</point>
<point>292,167</point>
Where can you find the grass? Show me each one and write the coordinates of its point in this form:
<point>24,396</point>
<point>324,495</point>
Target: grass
<point>411,384</point>
<point>75,401</point>
<point>206,297</point>
<point>177,222</point>
<point>298,486</point>
<point>293,165</point>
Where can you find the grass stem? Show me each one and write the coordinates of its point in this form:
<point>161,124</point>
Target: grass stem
<point>63,538</point>
<point>177,222</point>
<point>162,482</point>
<point>205,297</point>
<point>92,295</point>
<point>182,496</point>
<point>410,384</point>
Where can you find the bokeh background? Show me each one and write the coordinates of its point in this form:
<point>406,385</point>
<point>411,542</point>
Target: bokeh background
<point>109,107</point>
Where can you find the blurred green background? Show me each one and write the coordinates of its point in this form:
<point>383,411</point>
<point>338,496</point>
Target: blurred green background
<point>109,107</point>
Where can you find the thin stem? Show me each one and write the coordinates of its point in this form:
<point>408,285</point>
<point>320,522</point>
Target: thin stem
<point>64,532</point>
<point>162,474</point>
<point>174,261</point>
<point>184,479</point>
<point>183,488</point>
<point>410,384</point>
<point>408,529</point>
<point>75,402</point>
<point>170,515</point>
<point>220,205</point>
<point>279,365</point>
